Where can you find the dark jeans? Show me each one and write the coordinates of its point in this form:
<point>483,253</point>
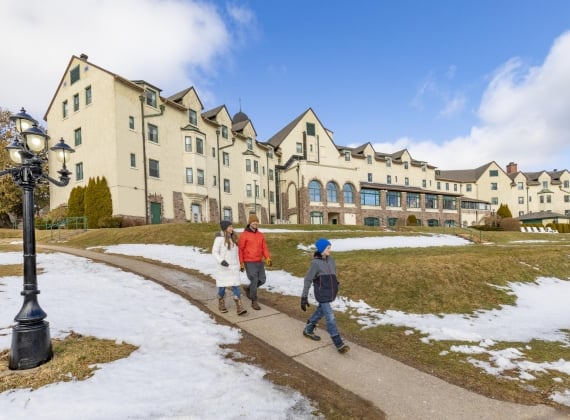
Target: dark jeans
<point>256,274</point>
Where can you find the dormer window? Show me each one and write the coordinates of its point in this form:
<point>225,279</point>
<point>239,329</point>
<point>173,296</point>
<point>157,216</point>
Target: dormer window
<point>369,159</point>
<point>388,162</point>
<point>151,98</point>
<point>249,143</point>
<point>192,117</point>
<point>406,165</point>
<point>347,155</point>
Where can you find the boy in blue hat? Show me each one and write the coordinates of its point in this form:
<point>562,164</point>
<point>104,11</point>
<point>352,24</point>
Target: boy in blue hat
<point>322,274</point>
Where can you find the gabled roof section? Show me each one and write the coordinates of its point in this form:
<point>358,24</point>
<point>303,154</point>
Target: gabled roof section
<point>282,134</point>
<point>177,97</point>
<point>213,113</point>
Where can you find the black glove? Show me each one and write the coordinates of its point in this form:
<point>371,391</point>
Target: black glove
<point>304,303</point>
<point>224,263</point>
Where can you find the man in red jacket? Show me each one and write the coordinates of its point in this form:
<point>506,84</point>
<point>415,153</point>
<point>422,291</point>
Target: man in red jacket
<point>252,250</point>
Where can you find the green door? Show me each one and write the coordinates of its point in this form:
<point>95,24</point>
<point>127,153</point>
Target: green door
<point>155,213</point>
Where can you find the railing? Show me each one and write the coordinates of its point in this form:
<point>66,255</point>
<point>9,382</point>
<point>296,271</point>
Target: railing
<point>66,223</point>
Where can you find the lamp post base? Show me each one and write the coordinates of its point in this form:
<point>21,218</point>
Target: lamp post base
<point>31,346</point>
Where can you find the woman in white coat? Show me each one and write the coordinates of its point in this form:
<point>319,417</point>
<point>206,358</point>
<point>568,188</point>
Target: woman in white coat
<point>225,252</point>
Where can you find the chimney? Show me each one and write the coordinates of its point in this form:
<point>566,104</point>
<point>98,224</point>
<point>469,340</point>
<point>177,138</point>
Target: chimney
<point>512,168</point>
<point>84,57</point>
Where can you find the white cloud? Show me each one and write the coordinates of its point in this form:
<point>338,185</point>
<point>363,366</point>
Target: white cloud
<point>524,117</point>
<point>170,43</point>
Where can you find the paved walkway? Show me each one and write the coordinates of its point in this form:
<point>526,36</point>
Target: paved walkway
<point>400,391</point>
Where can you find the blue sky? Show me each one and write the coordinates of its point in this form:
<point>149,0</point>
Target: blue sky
<point>457,83</point>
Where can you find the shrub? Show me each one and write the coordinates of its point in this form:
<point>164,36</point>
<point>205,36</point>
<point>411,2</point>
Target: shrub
<point>508,223</point>
<point>110,222</point>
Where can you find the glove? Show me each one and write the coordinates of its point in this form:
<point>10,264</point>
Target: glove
<point>241,267</point>
<point>304,303</point>
<point>268,262</point>
<point>224,263</point>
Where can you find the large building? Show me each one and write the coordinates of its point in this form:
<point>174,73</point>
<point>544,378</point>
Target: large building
<point>167,159</point>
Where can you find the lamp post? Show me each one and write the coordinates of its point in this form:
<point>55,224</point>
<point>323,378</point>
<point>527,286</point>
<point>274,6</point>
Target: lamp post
<point>31,343</point>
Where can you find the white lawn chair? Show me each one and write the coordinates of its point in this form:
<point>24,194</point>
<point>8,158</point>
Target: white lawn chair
<point>548,229</point>
<point>523,229</point>
<point>541,230</point>
<point>534,229</point>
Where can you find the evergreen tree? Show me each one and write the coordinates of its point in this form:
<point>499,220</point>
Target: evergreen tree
<point>10,192</point>
<point>76,202</point>
<point>90,203</point>
<point>106,201</point>
<point>503,211</point>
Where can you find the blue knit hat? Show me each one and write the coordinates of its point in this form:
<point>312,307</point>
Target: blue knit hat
<point>322,244</point>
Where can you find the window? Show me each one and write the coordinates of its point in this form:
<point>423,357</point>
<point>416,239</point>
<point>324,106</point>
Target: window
<point>438,185</point>
<point>256,166</point>
<point>541,199</point>
<point>65,109</point>
<point>152,133</point>
<point>314,191</point>
<point>317,218</point>
<point>226,158</point>
<point>189,176</point>
<point>545,185</point>
<point>228,214</point>
<point>133,160</point>
<point>256,192</point>
<point>521,200</point>
<point>393,199</point>
<point>424,166</point>
<point>270,153</point>
<point>371,221</point>
<point>248,190</point>
<point>299,147</point>
<point>214,152</point>
<point>493,172</point>
<point>187,143</point>
<point>407,181</point>
<point>388,162</point>
<point>369,176</point>
<point>413,200</point>
<point>214,181</point>
<point>549,199</point>
<point>224,131</point>
<point>447,186</point>
<point>79,171</point>
<point>431,201</point>
<point>495,200</point>
<point>151,97</point>
<point>567,198</point>
<point>424,183</point>
<point>455,187</point>
<point>226,185</point>
<point>468,187</point>
<point>566,184</point>
<point>76,102</point>
<point>332,192</point>
<point>77,136</point>
<point>348,193</point>
<point>249,143</point>
<point>494,186</point>
<point>271,175</point>
<point>449,203</point>
<point>153,169</point>
<point>88,96</point>
<point>74,74</point>
<point>388,179</point>
<point>248,165</point>
<point>520,186</point>
<point>369,197</point>
<point>200,176</point>
<point>347,155</point>
<point>131,123</point>
<point>369,159</point>
<point>271,197</point>
<point>310,129</point>
<point>199,146</point>
<point>192,117</point>
<point>406,165</point>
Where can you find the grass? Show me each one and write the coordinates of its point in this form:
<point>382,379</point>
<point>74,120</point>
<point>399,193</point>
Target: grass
<point>435,280</point>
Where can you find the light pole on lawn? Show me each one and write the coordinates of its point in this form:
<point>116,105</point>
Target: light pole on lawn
<point>31,342</point>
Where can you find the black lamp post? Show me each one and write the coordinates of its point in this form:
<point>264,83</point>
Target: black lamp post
<point>31,343</point>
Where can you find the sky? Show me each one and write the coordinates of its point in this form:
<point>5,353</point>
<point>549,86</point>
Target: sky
<point>458,84</point>
<point>127,308</point>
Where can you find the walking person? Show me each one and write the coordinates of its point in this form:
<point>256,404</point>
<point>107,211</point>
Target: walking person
<point>252,251</point>
<point>322,274</point>
<point>225,252</point>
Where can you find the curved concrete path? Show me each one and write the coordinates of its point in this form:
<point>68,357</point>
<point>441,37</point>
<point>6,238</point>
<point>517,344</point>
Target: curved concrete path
<point>400,391</point>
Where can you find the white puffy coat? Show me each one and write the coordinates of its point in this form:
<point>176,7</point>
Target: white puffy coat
<point>226,276</point>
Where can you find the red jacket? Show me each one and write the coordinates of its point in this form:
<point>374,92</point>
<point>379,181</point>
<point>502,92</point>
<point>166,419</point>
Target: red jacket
<point>252,246</point>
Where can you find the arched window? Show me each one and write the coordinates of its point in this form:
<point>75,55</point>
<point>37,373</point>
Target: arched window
<point>314,191</point>
<point>332,192</point>
<point>348,192</point>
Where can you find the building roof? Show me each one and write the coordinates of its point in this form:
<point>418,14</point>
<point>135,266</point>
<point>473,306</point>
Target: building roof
<point>541,215</point>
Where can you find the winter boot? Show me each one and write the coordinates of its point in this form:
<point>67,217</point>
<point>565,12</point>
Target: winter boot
<point>255,306</point>
<point>339,344</point>
<point>222,305</point>
<point>246,290</point>
<point>239,307</point>
<point>309,332</point>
